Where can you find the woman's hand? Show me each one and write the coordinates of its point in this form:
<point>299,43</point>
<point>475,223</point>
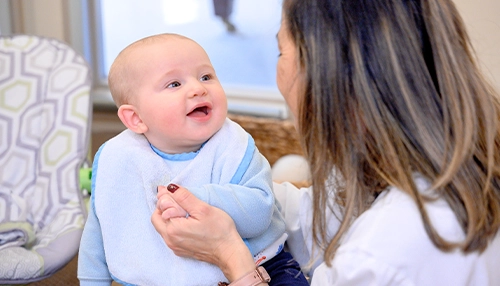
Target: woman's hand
<point>208,234</point>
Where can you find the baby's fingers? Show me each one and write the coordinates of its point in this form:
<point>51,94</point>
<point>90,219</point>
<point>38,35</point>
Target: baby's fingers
<point>164,202</point>
<point>173,212</point>
<point>161,190</point>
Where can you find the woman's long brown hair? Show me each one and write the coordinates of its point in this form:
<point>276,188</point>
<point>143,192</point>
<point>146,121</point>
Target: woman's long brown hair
<point>392,89</point>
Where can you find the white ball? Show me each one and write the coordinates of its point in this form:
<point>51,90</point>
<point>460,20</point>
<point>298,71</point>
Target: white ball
<point>291,168</point>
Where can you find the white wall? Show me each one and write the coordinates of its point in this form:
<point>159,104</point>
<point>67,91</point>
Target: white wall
<point>40,17</point>
<point>482,18</point>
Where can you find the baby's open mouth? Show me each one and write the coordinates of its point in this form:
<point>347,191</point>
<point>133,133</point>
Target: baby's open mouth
<point>199,111</point>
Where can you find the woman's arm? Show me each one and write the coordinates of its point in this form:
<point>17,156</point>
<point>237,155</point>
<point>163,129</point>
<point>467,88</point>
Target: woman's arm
<point>208,234</point>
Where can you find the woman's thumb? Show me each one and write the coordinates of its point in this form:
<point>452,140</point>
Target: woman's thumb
<point>183,197</point>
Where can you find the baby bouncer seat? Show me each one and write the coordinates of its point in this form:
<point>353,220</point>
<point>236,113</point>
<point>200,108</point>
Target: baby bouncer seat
<point>45,115</point>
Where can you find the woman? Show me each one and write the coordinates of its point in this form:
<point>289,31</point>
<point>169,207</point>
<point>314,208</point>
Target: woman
<point>402,134</point>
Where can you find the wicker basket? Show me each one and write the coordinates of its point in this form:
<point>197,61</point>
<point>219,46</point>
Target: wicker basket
<point>274,137</point>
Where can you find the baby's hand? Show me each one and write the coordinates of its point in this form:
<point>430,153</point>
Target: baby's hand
<point>169,207</point>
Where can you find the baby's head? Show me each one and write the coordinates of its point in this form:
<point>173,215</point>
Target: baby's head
<point>166,88</point>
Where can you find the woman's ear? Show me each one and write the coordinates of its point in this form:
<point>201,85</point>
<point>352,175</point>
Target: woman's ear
<point>131,119</point>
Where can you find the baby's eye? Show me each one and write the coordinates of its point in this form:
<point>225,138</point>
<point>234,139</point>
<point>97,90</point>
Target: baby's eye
<point>174,84</point>
<point>206,77</point>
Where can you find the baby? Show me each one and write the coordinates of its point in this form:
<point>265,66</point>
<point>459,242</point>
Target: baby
<point>175,110</point>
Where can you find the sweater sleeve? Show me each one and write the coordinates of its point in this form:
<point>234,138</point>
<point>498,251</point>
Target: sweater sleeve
<point>92,266</point>
<point>250,203</point>
<point>297,210</point>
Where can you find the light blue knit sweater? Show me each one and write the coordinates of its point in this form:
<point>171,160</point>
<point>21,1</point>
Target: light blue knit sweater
<point>119,242</point>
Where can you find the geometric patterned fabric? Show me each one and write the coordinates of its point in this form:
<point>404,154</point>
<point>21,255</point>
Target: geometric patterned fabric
<point>45,115</point>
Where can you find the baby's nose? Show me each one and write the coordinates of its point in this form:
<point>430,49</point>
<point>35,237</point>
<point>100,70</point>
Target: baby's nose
<point>198,90</point>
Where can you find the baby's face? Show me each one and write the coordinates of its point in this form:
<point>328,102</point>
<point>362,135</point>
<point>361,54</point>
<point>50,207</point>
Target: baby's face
<point>178,95</point>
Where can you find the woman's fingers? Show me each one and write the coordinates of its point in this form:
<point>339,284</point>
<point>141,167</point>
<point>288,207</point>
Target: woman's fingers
<point>184,235</point>
<point>209,234</point>
<point>185,199</point>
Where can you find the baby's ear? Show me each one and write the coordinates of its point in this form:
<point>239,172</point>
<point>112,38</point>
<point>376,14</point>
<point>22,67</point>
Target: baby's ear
<point>131,119</point>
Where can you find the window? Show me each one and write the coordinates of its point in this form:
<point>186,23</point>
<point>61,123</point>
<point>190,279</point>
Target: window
<point>84,27</point>
<point>240,41</point>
